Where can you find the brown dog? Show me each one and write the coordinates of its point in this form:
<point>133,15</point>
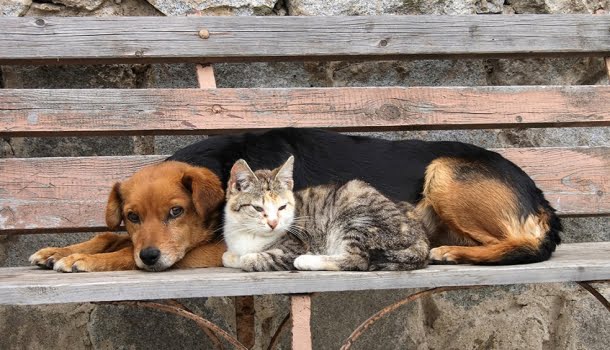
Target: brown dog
<point>171,211</point>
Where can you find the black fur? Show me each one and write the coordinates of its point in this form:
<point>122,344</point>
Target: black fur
<point>395,168</point>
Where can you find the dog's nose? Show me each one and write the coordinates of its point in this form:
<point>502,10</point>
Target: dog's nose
<point>150,255</point>
<point>272,223</point>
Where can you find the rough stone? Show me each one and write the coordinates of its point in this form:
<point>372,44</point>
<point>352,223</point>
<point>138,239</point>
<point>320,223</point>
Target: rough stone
<point>167,331</point>
<point>88,5</point>
<point>556,6</point>
<point>397,7</point>
<point>214,7</point>
<point>503,317</point>
<point>96,8</point>
<point>14,7</point>
<point>557,71</point>
<point>45,327</point>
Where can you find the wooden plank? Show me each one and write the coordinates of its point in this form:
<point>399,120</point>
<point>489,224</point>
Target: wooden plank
<point>30,285</point>
<point>300,312</point>
<point>58,40</point>
<point>69,194</point>
<point>61,194</point>
<point>207,111</point>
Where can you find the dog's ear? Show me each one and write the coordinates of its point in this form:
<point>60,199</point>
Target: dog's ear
<point>114,208</point>
<point>241,178</point>
<point>205,188</point>
<point>283,174</point>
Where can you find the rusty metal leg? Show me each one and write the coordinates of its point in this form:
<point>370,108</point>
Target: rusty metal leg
<point>589,288</point>
<point>278,332</point>
<point>244,320</point>
<point>386,310</point>
<point>177,309</point>
<point>301,321</point>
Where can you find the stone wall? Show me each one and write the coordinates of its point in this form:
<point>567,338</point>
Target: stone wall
<point>558,316</point>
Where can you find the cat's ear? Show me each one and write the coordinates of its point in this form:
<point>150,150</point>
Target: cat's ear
<point>284,174</point>
<point>242,177</point>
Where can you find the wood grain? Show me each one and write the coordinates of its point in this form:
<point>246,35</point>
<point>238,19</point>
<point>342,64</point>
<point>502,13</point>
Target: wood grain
<point>69,194</point>
<point>30,285</point>
<point>205,111</point>
<point>57,40</point>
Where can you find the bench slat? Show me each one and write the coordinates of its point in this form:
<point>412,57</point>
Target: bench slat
<point>176,111</point>
<point>69,194</point>
<point>29,285</point>
<point>57,40</point>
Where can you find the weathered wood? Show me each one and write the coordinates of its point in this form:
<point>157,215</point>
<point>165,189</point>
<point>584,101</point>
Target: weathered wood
<point>30,285</point>
<point>69,194</point>
<point>57,40</point>
<point>300,310</point>
<point>180,111</point>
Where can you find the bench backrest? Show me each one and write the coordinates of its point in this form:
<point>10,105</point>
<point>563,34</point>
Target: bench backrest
<point>69,194</point>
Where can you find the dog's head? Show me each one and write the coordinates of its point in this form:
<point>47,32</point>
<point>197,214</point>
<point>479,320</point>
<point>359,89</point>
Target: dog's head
<point>168,209</point>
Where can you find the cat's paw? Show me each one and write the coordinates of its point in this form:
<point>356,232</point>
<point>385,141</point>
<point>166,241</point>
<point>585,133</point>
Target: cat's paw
<point>230,259</point>
<point>309,263</point>
<point>46,257</point>
<point>249,262</point>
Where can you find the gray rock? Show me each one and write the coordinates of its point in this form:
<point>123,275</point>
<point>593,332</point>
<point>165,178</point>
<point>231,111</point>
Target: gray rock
<point>556,6</point>
<point>395,7</point>
<point>142,328</point>
<point>557,71</point>
<point>214,7</point>
<point>88,5</point>
<point>14,7</point>
<point>98,8</point>
<point>45,327</point>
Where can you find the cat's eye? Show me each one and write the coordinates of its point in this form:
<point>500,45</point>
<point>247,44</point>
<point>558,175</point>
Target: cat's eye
<point>175,212</point>
<point>282,207</point>
<point>258,209</point>
<point>133,217</point>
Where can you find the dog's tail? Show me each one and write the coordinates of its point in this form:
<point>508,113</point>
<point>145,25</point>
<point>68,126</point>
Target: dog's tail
<point>534,241</point>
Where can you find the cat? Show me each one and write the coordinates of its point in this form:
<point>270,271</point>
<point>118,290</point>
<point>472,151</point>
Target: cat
<point>268,227</point>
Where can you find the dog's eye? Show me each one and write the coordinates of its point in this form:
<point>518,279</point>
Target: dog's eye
<point>133,217</point>
<point>282,207</point>
<point>175,212</point>
<point>258,209</point>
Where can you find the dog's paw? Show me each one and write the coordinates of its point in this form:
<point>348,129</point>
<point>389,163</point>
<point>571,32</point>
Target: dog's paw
<point>309,263</point>
<point>442,255</point>
<point>75,263</point>
<point>230,259</point>
<point>47,257</point>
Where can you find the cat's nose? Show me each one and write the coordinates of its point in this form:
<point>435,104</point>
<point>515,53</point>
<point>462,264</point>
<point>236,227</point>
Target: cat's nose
<point>272,223</point>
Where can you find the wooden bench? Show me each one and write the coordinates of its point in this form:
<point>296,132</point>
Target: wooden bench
<point>43,195</point>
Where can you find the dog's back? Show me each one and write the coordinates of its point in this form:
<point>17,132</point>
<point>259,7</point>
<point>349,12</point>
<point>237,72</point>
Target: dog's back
<point>466,194</point>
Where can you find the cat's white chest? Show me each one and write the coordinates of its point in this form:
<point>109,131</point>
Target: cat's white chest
<point>240,242</point>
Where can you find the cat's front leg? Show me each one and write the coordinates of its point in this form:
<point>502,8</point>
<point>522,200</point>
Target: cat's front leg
<point>230,259</point>
<point>270,260</point>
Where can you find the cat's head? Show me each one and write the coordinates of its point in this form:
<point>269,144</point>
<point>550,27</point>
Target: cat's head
<point>261,202</point>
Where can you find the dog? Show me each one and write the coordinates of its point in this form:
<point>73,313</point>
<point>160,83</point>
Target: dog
<point>477,206</point>
<point>171,211</point>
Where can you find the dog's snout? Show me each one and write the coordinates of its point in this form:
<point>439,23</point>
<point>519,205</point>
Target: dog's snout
<point>150,255</point>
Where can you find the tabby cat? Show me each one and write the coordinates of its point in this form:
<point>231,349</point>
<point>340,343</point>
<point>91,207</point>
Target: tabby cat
<point>268,227</point>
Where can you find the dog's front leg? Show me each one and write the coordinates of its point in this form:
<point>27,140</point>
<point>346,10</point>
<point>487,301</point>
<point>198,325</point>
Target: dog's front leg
<point>114,261</point>
<point>102,243</point>
<point>205,255</point>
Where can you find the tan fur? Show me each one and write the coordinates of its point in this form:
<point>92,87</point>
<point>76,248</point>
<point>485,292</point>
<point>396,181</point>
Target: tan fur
<point>185,241</point>
<point>474,221</point>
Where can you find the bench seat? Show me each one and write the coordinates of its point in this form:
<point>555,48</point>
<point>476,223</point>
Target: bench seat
<point>30,285</point>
